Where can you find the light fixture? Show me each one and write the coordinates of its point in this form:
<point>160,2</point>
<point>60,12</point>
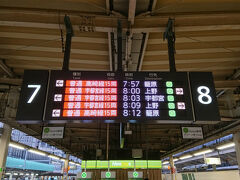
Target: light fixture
<point>62,159</point>
<point>165,162</point>
<point>203,152</point>
<point>21,174</point>
<point>15,174</point>
<point>185,157</point>
<point>37,152</point>
<point>72,162</point>
<point>27,174</point>
<point>53,157</point>
<point>176,159</point>
<point>16,146</point>
<point>225,146</point>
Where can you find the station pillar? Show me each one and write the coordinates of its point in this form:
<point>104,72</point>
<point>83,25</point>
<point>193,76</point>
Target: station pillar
<point>10,176</point>
<point>236,139</point>
<point>172,167</point>
<point>32,176</point>
<point>65,169</point>
<point>4,141</point>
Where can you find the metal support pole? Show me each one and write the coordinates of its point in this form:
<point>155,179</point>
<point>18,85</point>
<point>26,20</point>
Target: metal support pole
<point>169,34</point>
<point>121,129</point>
<point>236,139</point>
<point>172,167</point>
<point>10,176</point>
<point>119,42</point>
<point>68,43</point>
<point>65,170</point>
<point>32,176</point>
<point>142,50</point>
<point>113,51</point>
<point>26,153</point>
<point>107,149</point>
<point>4,141</point>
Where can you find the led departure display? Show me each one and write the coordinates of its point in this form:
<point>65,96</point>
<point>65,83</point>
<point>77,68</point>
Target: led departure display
<point>152,99</point>
<point>150,96</point>
<point>80,95</point>
<point>160,97</point>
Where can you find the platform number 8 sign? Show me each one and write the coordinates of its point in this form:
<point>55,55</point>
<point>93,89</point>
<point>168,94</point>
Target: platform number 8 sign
<point>204,96</point>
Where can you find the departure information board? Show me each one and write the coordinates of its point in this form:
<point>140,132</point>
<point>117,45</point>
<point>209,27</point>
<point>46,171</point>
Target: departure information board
<point>83,96</point>
<point>155,96</point>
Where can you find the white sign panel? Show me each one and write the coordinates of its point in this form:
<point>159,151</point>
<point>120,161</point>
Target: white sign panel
<point>108,174</point>
<point>52,132</point>
<point>192,133</point>
<point>84,175</point>
<point>135,174</point>
<point>216,161</point>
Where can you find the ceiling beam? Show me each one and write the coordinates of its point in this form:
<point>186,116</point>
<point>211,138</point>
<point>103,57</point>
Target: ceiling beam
<point>212,135</point>
<point>131,11</point>
<point>113,29</point>
<point>142,51</point>
<point>108,7</point>
<point>6,69</point>
<point>154,3</point>
<point>144,41</point>
<point>109,39</point>
<point>227,84</point>
<point>49,26</point>
<point>188,28</point>
<point>129,33</point>
<point>11,81</point>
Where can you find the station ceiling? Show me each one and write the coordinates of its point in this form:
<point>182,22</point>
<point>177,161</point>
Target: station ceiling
<point>32,36</point>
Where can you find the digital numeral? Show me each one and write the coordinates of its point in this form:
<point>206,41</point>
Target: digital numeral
<point>37,88</point>
<point>136,113</point>
<point>204,97</point>
<point>134,83</point>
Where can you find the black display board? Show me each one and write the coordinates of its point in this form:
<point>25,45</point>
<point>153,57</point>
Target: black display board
<point>204,96</point>
<point>33,95</point>
<point>130,96</point>
<point>149,97</point>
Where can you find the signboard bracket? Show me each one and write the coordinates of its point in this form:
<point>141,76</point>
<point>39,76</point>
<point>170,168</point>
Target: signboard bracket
<point>68,43</point>
<point>119,42</point>
<point>169,34</point>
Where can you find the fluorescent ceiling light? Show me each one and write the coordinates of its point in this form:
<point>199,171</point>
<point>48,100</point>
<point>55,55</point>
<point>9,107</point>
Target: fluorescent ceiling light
<point>27,174</point>
<point>16,146</point>
<point>185,157</point>
<point>165,162</point>
<point>225,146</point>
<point>203,152</point>
<point>72,162</point>
<point>15,174</point>
<point>37,152</point>
<point>63,160</point>
<point>175,159</point>
<point>53,157</point>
